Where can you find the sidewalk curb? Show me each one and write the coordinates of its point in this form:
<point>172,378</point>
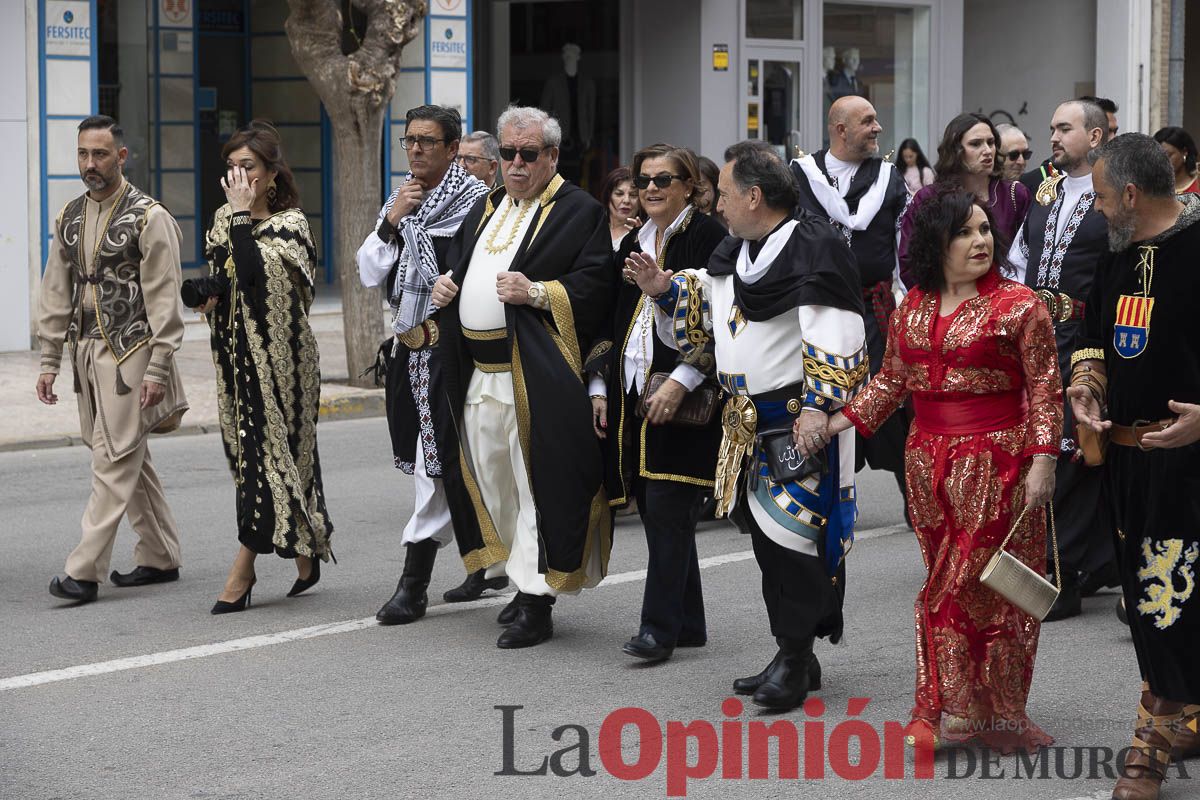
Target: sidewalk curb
<point>369,403</point>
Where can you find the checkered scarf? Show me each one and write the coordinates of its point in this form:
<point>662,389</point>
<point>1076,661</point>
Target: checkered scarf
<point>440,214</point>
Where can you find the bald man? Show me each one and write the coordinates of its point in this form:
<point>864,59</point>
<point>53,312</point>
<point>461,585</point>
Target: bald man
<point>863,197</point>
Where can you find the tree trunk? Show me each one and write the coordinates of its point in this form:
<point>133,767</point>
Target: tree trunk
<point>355,207</point>
<point>355,88</point>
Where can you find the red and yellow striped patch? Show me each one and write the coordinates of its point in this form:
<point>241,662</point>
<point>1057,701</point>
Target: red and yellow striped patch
<point>1134,312</point>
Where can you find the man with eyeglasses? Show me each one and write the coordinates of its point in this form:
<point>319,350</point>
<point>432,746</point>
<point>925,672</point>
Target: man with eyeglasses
<point>479,154</point>
<point>405,253</point>
<point>863,197</point>
<point>532,279</point>
<point>1056,252</point>
<point>1014,151</point>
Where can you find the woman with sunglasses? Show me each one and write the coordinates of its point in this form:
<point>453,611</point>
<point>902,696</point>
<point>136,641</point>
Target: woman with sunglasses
<point>967,160</point>
<point>665,466</point>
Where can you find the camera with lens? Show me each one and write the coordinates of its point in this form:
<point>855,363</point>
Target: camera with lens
<point>196,291</point>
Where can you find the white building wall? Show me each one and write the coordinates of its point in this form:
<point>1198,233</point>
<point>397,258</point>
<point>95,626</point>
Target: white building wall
<point>18,217</point>
<point>1026,57</point>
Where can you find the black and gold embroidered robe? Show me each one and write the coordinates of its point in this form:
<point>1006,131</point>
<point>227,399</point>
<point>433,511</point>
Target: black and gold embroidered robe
<point>568,249</point>
<point>269,380</point>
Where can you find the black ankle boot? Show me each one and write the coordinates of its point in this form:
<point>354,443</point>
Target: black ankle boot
<point>474,586</point>
<point>533,624</point>
<point>789,680</point>
<point>750,685</point>
<point>408,603</point>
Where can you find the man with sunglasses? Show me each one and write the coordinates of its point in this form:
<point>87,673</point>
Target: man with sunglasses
<point>1056,253</point>
<point>405,253</point>
<point>1014,151</point>
<point>532,279</point>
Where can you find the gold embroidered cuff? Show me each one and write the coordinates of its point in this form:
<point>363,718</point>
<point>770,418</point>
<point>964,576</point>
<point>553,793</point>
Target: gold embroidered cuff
<point>1085,354</point>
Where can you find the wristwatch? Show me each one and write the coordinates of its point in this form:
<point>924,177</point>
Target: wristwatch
<point>536,292</point>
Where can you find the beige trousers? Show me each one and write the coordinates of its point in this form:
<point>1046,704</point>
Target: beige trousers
<point>123,486</point>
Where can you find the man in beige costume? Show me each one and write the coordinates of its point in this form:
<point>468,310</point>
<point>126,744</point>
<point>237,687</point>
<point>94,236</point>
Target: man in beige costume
<point>110,290</point>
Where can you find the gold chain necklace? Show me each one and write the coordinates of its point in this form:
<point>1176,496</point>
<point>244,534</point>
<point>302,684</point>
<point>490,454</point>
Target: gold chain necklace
<point>490,245</point>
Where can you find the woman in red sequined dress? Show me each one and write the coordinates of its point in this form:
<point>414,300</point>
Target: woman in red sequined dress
<point>976,352</point>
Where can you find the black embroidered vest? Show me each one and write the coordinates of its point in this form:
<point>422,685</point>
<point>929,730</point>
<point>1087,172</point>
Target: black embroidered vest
<point>116,285</point>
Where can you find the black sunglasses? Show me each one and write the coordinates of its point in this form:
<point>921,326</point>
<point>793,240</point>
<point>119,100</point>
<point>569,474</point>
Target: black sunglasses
<point>662,180</point>
<point>1015,154</point>
<point>528,154</point>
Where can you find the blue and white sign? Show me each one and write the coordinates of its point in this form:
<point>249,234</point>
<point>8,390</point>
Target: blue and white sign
<point>447,43</point>
<point>68,30</point>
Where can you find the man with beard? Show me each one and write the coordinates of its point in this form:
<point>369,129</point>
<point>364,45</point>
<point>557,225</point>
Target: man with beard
<point>781,300</point>
<point>1136,380</point>
<point>111,291</point>
<point>1035,177</point>
<point>1056,252</point>
<point>534,263</point>
<point>863,197</point>
<point>407,252</point>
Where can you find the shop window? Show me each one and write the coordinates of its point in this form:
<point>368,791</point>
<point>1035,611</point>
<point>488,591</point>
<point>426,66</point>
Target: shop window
<point>880,53</point>
<point>775,19</point>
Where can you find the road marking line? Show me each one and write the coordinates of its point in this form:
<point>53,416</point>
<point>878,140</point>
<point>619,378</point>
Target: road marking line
<point>330,628</point>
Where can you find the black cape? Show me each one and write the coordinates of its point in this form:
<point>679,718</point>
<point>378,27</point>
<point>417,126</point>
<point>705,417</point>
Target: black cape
<point>633,446</point>
<point>568,247</point>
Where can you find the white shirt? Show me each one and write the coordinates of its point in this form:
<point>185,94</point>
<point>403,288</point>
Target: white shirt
<point>842,171</point>
<point>639,349</point>
<point>1072,189</point>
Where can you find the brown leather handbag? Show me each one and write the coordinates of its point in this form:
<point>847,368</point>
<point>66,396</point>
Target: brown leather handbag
<point>698,406</point>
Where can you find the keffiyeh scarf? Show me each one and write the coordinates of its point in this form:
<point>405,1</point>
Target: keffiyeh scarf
<point>440,214</point>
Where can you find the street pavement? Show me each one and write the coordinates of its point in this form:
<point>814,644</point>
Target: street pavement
<point>143,694</point>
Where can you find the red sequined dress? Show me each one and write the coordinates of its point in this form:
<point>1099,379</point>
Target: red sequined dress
<point>988,397</point>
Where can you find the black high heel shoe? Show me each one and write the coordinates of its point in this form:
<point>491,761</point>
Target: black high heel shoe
<point>304,584</point>
<point>241,604</point>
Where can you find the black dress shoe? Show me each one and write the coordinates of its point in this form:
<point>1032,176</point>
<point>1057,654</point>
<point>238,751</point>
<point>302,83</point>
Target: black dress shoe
<point>533,624</point>
<point>410,599</point>
<point>474,586</point>
<point>509,612</point>
<point>645,646</point>
<point>68,588</point>
<point>1106,577</point>
<point>144,576</point>
<point>304,584</point>
<point>1069,603</point>
<point>751,684</point>
<point>788,682</point>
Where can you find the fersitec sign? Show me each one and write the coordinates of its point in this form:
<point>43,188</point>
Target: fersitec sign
<point>68,29</point>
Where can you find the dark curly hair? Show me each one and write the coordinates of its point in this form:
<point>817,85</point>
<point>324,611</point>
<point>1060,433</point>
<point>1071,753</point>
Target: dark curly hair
<point>935,222</point>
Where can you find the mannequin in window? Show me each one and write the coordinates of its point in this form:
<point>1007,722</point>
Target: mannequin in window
<point>829,75</point>
<point>570,98</point>
<point>845,82</point>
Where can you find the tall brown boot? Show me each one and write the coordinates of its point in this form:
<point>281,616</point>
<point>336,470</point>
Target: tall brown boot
<point>1187,735</point>
<point>1153,740</point>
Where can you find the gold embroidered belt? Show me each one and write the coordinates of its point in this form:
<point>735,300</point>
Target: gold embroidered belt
<point>1063,307</point>
<point>424,335</point>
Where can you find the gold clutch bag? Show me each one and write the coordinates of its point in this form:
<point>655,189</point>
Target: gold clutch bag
<point>1018,584</point>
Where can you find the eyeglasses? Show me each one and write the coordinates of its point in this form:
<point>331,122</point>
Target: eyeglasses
<point>1015,154</point>
<point>421,142</point>
<point>470,161</point>
<point>662,180</point>
<point>528,154</point>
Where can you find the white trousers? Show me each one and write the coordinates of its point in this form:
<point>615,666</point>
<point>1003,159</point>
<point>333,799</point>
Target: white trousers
<point>431,513</point>
<point>490,425</point>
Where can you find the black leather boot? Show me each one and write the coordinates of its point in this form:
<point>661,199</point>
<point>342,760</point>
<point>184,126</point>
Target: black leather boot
<point>509,612</point>
<point>1069,604</point>
<point>408,603</point>
<point>474,586</point>
<point>533,624</point>
<point>788,681</point>
<point>749,685</point>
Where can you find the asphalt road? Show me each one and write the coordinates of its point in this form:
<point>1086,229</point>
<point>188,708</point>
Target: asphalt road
<point>145,695</point>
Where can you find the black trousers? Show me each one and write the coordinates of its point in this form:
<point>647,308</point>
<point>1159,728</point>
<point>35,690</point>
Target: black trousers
<point>673,602</point>
<point>1081,518</point>
<point>801,599</point>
